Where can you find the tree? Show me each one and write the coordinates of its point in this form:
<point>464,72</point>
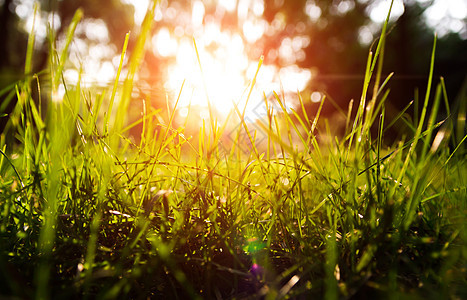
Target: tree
<point>117,16</point>
<point>322,36</point>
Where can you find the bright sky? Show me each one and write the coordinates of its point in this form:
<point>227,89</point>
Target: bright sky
<point>452,11</point>
<point>227,70</point>
<point>444,16</point>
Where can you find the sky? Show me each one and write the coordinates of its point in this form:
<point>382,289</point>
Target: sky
<point>443,16</point>
<point>229,71</point>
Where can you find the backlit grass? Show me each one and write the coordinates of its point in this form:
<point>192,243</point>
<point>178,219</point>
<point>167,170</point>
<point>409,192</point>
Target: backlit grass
<point>88,211</point>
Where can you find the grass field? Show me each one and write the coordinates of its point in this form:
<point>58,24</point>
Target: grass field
<point>89,212</point>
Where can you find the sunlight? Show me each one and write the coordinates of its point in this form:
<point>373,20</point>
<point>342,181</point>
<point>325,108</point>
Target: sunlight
<point>226,68</point>
<point>141,6</point>
<point>228,4</point>
<point>447,16</point>
<point>225,74</point>
<point>223,70</point>
<point>379,10</point>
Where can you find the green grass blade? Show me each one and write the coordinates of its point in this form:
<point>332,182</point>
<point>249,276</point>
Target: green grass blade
<point>116,82</point>
<point>422,117</point>
<point>57,75</point>
<point>31,40</point>
<point>135,62</point>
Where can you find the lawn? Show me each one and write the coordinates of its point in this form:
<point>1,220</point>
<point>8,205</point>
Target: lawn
<point>89,210</point>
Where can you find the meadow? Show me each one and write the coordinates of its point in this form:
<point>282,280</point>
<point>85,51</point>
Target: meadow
<point>88,211</point>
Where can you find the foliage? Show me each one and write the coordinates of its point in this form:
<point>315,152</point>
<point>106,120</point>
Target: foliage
<point>329,47</point>
<point>87,212</point>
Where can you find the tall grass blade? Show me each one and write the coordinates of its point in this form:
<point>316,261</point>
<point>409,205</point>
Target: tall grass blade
<point>422,117</point>
<point>57,75</point>
<point>135,62</point>
<point>114,89</point>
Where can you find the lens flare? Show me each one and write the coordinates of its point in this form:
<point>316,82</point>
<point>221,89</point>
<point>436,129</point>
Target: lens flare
<point>219,71</point>
<point>219,74</point>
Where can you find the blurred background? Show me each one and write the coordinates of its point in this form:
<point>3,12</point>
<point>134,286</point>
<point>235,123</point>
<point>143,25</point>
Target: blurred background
<point>316,47</point>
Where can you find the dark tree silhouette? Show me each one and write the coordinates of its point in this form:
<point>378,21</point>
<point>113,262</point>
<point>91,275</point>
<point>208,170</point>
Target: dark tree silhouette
<point>117,16</point>
<point>332,51</point>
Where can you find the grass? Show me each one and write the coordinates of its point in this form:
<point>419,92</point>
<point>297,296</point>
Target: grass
<point>87,212</point>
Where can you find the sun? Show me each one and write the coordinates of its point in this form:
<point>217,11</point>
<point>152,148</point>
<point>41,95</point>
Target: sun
<point>214,67</point>
<point>217,69</point>
<point>214,64</point>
